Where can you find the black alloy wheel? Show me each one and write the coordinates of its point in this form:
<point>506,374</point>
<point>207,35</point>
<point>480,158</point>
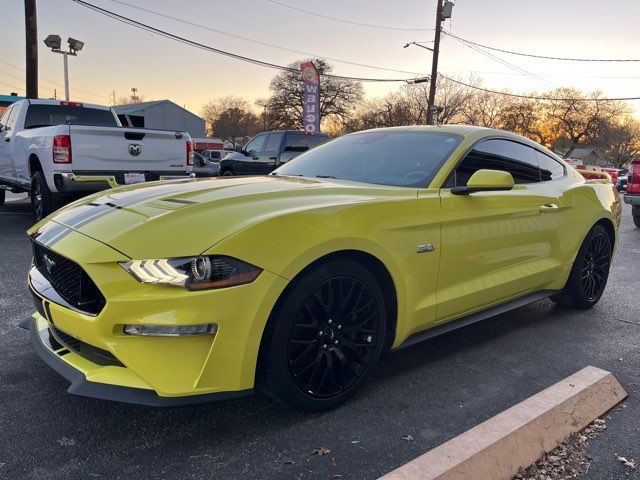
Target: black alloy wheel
<point>333,337</point>
<point>325,335</point>
<point>595,266</point>
<point>590,271</point>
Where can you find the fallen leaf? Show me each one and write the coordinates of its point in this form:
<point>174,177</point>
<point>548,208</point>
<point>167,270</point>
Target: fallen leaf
<point>289,462</point>
<point>320,451</point>
<point>629,463</point>
<point>408,438</point>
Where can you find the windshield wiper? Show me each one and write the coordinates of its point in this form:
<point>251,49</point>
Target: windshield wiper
<point>326,176</point>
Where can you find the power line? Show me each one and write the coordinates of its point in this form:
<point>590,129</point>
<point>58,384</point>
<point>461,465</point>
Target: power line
<point>48,80</point>
<point>542,56</point>
<point>536,97</point>
<point>502,61</point>
<point>171,36</point>
<point>262,63</point>
<point>335,19</point>
<point>259,42</point>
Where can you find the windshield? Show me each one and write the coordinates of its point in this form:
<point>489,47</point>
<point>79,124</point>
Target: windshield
<point>394,158</point>
<point>49,115</point>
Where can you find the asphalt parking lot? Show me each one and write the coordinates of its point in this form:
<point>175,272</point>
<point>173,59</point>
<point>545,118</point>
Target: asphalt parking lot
<point>432,391</point>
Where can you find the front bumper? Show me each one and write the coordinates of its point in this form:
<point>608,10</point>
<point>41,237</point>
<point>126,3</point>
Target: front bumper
<point>632,200</point>
<point>169,370</point>
<point>62,360</point>
<point>87,183</point>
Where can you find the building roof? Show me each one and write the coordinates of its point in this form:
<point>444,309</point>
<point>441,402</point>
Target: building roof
<point>130,108</point>
<point>10,98</point>
<point>580,153</point>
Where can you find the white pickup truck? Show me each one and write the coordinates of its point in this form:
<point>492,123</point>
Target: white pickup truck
<point>57,151</point>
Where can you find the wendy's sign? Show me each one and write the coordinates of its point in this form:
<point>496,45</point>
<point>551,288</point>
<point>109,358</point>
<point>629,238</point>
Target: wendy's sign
<point>311,98</point>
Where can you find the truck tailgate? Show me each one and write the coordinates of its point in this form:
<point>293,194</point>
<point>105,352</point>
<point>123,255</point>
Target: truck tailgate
<point>109,149</point>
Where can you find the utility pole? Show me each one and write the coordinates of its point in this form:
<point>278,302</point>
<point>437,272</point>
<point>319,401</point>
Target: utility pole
<point>31,38</point>
<point>434,64</point>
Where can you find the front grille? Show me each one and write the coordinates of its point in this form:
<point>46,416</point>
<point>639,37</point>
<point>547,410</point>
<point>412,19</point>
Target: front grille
<point>59,339</point>
<point>69,280</point>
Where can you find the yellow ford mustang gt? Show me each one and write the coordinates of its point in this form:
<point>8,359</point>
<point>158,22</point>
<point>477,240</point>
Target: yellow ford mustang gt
<point>187,291</point>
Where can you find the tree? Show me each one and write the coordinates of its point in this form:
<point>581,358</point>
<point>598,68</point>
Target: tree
<point>620,140</point>
<point>338,97</point>
<point>231,119</point>
<point>579,118</point>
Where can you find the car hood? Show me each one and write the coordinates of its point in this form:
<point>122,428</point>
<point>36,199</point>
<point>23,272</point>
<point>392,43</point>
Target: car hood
<point>184,218</point>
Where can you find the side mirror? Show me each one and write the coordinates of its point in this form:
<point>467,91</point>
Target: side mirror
<point>486,181</point>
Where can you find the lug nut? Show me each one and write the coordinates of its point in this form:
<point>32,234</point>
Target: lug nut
<point>339,327</point>
<point>336,342</point>
<point>324,346</point>
<point>321,333</point>
<point>330,322</point>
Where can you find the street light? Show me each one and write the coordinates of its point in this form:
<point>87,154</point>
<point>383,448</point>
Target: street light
<point>54,42</point>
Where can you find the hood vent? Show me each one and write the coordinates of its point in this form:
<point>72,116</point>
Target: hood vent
<point>178,200</point>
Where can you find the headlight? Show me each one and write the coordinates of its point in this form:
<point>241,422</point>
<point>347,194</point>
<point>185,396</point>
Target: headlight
<point>195,273</point>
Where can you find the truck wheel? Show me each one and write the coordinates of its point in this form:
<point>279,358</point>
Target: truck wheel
<point>42,202</point>
<point>636,220</point>
<point>2,196</point>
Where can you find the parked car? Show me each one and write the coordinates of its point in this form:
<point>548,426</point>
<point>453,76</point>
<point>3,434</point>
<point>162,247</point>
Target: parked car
<point>203,167</point>
<point>294,283</point>
<point>622,182</point>
<point>267,151</point>
<point>632,196</point>
<point>215,155</point>
<point>57,150</point>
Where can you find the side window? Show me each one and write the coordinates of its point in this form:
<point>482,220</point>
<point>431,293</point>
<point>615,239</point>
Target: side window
<point>5,116</point>
<point>257,143</point>
<point>550,168</point>
<point>12,118</point>
<point>515,158</point>
<point>273,144</point>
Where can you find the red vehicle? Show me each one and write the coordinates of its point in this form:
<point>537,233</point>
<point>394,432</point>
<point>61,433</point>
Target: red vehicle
<point>613,173</point>
<point>632,196</point>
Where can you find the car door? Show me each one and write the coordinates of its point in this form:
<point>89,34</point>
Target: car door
<point>6,168</point>
<point>269,157</point>
<point>496,245</point>
<point>249,165</point>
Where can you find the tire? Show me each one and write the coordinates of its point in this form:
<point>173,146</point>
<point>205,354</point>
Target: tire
<point>590,271</point>
<point>2,196</point>
<point>324,337</point>
<point>42,202</point>
<point>636,220</point>
<point>228,173</point>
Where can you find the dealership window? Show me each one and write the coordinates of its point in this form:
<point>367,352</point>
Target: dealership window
<point>495,154</point>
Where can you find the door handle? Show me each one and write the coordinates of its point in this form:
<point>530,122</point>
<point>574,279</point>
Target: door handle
<point>548,208</point>
<point>273,158</point>
<point>256,158</point>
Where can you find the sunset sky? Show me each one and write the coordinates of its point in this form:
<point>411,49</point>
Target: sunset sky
<point>118,57</point>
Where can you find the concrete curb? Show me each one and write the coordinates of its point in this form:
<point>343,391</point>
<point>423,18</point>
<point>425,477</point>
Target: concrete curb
<point>517,437</point>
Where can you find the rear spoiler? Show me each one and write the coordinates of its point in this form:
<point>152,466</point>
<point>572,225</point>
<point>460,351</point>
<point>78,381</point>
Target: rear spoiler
<point>594,176</point>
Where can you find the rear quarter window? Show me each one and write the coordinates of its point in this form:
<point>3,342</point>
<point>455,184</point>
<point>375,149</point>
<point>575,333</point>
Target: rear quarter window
<point>550,168</point>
